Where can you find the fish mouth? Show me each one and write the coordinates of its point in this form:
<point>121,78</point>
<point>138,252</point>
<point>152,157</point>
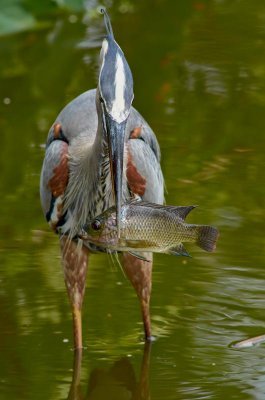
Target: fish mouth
<point>101,244</point>
<point>116,140</point>
<point>103,240</point>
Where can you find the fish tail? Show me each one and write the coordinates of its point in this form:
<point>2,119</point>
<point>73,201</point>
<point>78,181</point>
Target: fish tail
<point>207,237</point>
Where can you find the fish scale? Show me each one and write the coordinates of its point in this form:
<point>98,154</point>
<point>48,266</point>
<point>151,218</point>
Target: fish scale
<point>158,226</point>
<point>150,227</point>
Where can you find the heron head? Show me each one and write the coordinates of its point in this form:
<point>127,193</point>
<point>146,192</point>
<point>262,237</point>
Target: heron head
<point>115,89</point>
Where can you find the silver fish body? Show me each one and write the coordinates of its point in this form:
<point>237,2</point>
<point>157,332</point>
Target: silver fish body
<point>149,227</point>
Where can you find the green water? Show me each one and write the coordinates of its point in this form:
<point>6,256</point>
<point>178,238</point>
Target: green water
<point>199,72</point>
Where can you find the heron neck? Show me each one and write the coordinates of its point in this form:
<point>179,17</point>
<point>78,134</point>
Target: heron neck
<point>84,193</point>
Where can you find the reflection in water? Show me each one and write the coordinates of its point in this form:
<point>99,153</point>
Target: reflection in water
<point>249,342</point>
<point>119,382</point>
<point>201,86</point>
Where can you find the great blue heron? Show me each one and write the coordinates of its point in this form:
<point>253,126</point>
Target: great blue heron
<point>100,152</point>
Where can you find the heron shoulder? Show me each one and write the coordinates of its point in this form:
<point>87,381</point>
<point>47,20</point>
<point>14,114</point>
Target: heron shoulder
<point>77,119</point>
<point>145,132</point>
<point>144,174</point>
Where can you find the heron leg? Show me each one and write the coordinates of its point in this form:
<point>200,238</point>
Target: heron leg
<point>75,260</point>
<point>75,389</point>
<point>139,272</point>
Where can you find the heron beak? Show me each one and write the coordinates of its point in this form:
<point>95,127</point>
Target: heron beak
<point>116,139</point>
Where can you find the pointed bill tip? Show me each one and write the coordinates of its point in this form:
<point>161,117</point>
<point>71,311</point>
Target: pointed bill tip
<point>107,22</point>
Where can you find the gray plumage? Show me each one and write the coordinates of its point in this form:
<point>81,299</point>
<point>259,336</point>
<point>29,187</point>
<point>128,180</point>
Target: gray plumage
<point>100,152</point>
<point>79,124</point>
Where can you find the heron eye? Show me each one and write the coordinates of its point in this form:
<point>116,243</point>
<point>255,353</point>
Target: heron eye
<point>96,225</point>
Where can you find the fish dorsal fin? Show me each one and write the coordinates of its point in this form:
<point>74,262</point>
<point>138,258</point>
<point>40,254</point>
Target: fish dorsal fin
<point>180,211</point>
<point>179,250</point>
<point>134,200</point>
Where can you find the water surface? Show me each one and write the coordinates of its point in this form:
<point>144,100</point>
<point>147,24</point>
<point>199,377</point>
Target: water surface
<point>199,72</point>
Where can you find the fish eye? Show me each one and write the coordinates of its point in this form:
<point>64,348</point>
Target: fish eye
<point>96,225</point>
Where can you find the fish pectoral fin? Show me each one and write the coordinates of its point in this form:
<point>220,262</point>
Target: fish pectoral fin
<point>179,251</point>
<point>173,253</point>
<point>138,255</point>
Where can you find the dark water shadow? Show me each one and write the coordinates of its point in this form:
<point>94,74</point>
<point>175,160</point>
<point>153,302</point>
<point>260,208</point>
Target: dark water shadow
<point>117,382</point>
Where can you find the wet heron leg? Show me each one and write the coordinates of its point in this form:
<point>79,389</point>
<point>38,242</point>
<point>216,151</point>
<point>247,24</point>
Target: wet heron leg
<point>139,272</point>
<point>75,389</point>
<point>75,260</point>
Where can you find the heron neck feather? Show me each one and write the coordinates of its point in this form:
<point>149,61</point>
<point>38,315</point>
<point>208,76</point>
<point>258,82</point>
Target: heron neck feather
<point>85,166</point>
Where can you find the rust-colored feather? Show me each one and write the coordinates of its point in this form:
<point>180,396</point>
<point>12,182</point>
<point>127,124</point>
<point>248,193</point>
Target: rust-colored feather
<point>57,130</point>
<point>136,132</point>
<point>58,182</point>
<point>136,182</point>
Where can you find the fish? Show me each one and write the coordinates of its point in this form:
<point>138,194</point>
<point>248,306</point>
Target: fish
<point>149,227</point>
<point>254,341</point>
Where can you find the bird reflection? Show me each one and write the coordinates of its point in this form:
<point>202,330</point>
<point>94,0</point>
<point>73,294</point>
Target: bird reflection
<point>119,382</point>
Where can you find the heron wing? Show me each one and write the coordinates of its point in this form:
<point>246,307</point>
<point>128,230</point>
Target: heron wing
<point>78,119</point>
<point>54,179</point>
<point>144,173</point>
<point>77,124</point>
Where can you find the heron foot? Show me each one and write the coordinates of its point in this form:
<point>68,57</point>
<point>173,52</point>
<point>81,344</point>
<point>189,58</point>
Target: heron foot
<point>150,339</point>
